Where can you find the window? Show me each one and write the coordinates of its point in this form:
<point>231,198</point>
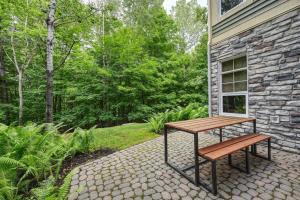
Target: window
<point>234,87</point>
<point>227,5</point>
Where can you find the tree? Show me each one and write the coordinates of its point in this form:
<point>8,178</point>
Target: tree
<point>3,83</point>
<point>191,20</point>
<point>22,32</point>
<point>49,66</point>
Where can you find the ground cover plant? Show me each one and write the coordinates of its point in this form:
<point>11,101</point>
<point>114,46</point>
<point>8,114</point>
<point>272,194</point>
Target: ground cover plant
<point>192,111</point>
<point>31,154</point>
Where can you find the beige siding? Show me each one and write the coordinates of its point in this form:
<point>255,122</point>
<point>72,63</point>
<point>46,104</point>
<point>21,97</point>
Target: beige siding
<point>251,21</point>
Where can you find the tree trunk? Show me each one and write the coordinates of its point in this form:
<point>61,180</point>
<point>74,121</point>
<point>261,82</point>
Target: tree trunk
<point>21,99</point>
<point>3,83</point>
<point>49,65</point>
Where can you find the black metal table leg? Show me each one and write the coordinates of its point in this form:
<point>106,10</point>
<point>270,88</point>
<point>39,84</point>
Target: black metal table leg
<point>221,134</point>
<point>253,147</point>
<point>247,160</point>
<point>166,143</point>
<point>196,148</point>
<point>214,177</point>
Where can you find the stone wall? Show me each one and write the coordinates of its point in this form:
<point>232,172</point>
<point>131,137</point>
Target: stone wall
<point>273,52</point>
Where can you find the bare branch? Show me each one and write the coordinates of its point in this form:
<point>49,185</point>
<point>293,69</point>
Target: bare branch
<point>63,60</point>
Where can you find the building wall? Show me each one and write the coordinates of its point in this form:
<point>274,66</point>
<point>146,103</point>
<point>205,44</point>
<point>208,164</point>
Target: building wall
<point>273,53</point>
<point>245,16</point>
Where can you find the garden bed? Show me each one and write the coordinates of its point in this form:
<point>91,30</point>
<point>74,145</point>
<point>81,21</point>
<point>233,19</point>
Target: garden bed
<point>79,159</point>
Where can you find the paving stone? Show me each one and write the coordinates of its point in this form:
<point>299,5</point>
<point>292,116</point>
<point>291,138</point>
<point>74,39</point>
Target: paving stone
<point>128,194</point>
<point>126,189</point>
<point>181,192</point>
<point>175,196</point>
<point>236,191</point>
<point>93,195</point>
<point>286,188</point>
<point>265,196</point>
<point>166,195</point>
<point>202,194</point>
<point>83,196</point>
<point>242,187</point>
<point>156,196</point>
<point>279,195</point>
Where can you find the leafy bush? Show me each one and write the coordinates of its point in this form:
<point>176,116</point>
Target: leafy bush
<point>192,111</point>
<point>32,154</point>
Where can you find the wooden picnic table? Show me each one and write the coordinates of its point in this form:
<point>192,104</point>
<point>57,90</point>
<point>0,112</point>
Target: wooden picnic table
<point>199,126</point>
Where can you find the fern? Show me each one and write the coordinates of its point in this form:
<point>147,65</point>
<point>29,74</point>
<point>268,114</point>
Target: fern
<point>9,163</point>
<point>192,111</point>
<point>64,189</point>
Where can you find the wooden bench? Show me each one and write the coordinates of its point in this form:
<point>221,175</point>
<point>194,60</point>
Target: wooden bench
<point>217,151</point>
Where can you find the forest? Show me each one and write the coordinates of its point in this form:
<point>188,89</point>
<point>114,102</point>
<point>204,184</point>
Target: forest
<point>99,63</point>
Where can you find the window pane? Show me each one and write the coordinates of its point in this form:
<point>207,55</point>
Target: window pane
<point>226,78</point>
<point>228,87</point>
<point>240,76</point>
<point>240,63</point>
<point>234,104</point>
<point>240,86</point>
<point>227,66</point>
<point>229,4</point>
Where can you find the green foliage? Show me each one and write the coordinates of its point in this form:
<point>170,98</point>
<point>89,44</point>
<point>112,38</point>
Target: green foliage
<point>47,189</point>
<point>31,154</point>
<point>192,111</point>
<point>82,140</point>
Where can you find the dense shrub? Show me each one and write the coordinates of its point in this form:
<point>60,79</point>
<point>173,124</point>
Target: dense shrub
<point>31,154</point>
<point>190,112</point>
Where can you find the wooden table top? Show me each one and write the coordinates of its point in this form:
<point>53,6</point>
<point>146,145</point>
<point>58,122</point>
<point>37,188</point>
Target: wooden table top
<point>205,124</point>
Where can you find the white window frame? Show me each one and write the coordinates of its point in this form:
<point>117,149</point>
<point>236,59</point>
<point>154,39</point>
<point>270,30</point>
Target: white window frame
<point>242,93</point>
<point>220,7</point>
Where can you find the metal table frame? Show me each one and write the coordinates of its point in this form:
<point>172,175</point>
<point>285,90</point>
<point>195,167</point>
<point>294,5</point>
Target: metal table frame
<point>196,180</point>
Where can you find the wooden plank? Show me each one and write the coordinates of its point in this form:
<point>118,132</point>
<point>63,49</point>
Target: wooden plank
<point>204,122</point>
<point>199,120</point>
<point>214,155</point>
<point>202,127</point>
<point>226,143</point>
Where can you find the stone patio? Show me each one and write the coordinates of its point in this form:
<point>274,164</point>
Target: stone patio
<point>139,172</point>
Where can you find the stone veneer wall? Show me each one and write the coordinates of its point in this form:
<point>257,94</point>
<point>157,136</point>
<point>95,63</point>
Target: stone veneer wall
<point>273,52</point>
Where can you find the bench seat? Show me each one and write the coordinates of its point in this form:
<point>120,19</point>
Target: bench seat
<point>217,151</point>
<point>225,148</point>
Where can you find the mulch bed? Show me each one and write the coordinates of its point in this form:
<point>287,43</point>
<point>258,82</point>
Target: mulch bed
<point>79,159</point>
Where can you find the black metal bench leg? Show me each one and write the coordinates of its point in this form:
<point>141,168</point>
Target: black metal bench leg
<point>269,149</point>
<point>214,177</point>
<point>229,160</point>
<point>196,148</point>
<point>221,135</point>
<point>166,143</point>
<point>247,160</point>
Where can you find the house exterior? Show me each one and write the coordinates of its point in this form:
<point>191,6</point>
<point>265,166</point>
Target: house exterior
<point>254,66</point>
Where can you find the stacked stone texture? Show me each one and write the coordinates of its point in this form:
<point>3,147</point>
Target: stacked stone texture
<point>273,52</point>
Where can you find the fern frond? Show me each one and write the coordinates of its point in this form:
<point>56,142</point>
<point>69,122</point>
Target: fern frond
<point>64,189</point>
<point>9,163</point>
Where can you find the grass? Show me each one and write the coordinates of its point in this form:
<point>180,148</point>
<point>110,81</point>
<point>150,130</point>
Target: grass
<point>124,136</point>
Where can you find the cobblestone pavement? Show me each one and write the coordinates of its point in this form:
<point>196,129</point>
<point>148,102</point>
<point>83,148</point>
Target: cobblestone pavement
<point>139,172</point>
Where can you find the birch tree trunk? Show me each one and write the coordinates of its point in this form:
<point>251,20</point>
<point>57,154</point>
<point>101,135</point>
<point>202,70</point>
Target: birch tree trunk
<point>49,64</point>
<point>21,99</point>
